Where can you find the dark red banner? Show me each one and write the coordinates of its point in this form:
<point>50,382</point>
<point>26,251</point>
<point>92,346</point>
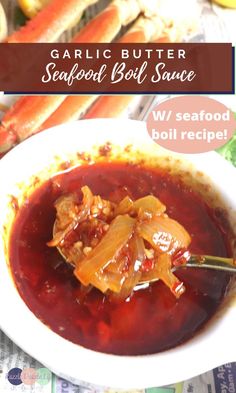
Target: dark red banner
<point>116,68</point>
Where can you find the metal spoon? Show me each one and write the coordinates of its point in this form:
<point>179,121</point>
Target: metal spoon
<point>205,262</point>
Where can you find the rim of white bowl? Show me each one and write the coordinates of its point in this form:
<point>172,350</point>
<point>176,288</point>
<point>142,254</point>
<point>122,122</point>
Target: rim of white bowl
<point>76,363</point>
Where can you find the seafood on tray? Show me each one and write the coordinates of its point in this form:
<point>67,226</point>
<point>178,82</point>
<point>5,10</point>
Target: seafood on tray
<point>152,21</point>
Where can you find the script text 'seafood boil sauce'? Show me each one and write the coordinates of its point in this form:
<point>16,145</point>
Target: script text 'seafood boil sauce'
<point>153,319</point>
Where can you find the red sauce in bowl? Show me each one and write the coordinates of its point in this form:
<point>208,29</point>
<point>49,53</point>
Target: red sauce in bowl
<point>152,320</point>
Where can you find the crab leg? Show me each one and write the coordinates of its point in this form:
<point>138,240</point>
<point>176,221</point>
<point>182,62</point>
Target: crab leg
<point>71,109</point>
<point>28,114</point>
<point>7,140</point>
<point>114,106</point>
<point>105,106</point>
<point>22,119</point>
<point>108,23</point>
<point>143,30</point>
<point>102,29</point>
<point>109,106</point>
<point>51,22</point>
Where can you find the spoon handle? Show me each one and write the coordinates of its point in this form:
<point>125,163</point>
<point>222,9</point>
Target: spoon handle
<point>210,262</point>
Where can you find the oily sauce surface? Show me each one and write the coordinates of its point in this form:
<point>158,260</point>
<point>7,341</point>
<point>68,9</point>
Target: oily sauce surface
<point>152,320</point>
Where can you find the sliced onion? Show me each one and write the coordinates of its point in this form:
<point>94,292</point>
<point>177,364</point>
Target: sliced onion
<point>114,261</point>
<point>82,215</point>
<point>124,207</point>
<point>73,254</point>
<point>67,209</point>
<point>100,281</point>
<point>138,251</point>
<point>133,275</point>
<point>164,234</point>
<point>118,266</point>
<point>149,205</point>
<point>104,281</point>
<point>118,234</point>
<point>114,281</point>
<point>163,272</point>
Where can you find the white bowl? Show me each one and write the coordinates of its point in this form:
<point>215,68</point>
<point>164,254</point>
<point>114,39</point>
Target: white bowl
<point>213,346</point>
